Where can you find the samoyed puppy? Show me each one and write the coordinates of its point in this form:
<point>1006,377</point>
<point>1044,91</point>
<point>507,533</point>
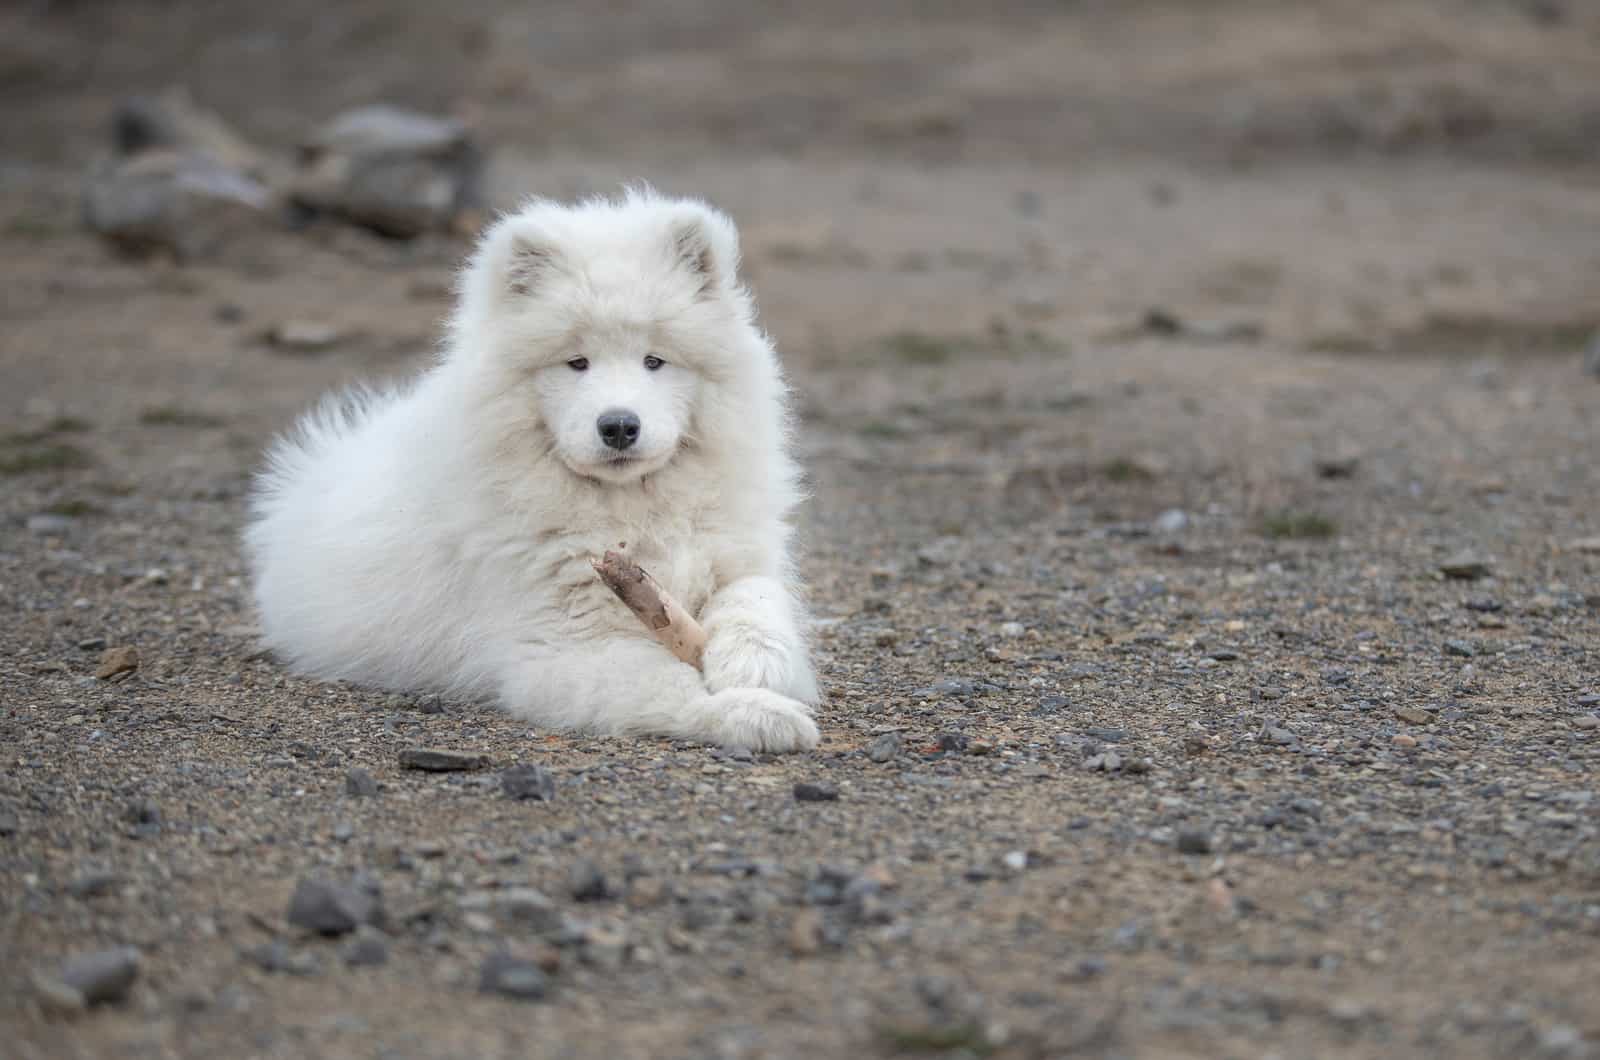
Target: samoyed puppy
<point>603,386</point>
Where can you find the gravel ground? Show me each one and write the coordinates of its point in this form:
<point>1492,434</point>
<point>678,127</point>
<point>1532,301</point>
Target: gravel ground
<point>1205,561</point>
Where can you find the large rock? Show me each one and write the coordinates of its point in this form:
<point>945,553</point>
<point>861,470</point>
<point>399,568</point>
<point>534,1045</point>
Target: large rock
<point>189,205</point>
<point>396,171</point>
<point>173,122</point>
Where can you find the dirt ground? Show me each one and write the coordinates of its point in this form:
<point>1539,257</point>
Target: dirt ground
<point>1156,365</point>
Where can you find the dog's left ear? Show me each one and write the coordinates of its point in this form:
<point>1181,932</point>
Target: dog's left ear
<point>706,246</point>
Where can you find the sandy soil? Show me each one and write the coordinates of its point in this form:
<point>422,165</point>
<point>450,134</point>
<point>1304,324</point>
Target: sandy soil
<point>1154,361</point>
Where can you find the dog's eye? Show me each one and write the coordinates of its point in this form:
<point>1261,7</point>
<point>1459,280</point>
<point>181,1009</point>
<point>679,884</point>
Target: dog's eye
<point>653,362</point>
<point>579,364</point>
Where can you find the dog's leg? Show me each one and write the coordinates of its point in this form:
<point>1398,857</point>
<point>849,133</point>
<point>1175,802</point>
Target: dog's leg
<point>636,686</point>
<point>753,640</point>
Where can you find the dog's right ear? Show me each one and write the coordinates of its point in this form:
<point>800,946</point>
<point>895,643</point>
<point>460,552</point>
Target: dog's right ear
<point>528,260</point>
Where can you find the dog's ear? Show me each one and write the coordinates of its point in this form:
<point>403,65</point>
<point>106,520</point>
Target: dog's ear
<point>705,244</point>
<point>528,260</point>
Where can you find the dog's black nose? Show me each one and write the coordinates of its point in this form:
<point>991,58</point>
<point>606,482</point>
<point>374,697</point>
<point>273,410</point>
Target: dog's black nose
<point>619,428</point>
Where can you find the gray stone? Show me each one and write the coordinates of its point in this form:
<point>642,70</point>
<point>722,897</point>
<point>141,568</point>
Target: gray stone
<point>1171,521</point>
<point>442,760</point>
<point>511,976</point>
<point>93,884</point>
<point>360,784</point>
<point>808,792</point>
<point>190,206</point>
<point>104,975</point>
<point>392,170</point>
<point>885,747</point>
<point>276,956</point>
<point>366,949</point>
<point>47,523</point>
<point>586,883</point>
<point>1460,649</point>
<point>329,908</point>
<point>173,121</point>
<point>528,781</point>
<point>1194,841</point>
<point>1464,566</point>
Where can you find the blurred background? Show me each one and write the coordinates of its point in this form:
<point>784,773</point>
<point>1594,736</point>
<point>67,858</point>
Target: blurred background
<point>222,208</point>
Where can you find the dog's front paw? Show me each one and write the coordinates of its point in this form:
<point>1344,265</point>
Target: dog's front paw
<point>762,721</point>
<point>745,661</point>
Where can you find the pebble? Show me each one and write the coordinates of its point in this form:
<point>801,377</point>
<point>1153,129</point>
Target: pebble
<point>885,747</point>
<point>1586,721</point>
<point>50,524</point>
<point>360,784</point>
<point>94,884</point>
<point>806,791</point>
<point>442,760</point>
<point>329,908</point>
<point>1464,566</point>
<point>1194,841</point>
<point>104,975</point>
<point>586,883</point>
<point>1460,649</point>
<point>56,996</point>
<point>528,782</point>
<point>304,336</point>
<point>276,956</point>
<point>1171,521</point>
<point>1413,715</point>
<point>1403,741</point>
<point>366,949</point>
<point>117,661</point>
<point>805,933</point>
<point>511,976</point>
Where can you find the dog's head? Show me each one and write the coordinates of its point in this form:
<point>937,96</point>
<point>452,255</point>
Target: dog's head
<point>604,329</point>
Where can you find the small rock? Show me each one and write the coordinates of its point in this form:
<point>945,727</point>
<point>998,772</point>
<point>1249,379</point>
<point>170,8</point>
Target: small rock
<point>1413,715</point>
<point>808,792</point>
<point>105,975</point>
<point>334,909</point>
<point>276,956</point>
<point>304,336</point>
<point>805,933</point>
<point>10,824</point>
<point>1403,741</point>
<point>1460,649</point>
<point>1014,861</point>
<point>952,742</point>
<point>1194,841</point>
<point>117,661</point>
<point>1337,466</point>
<point>57,997</point>
<point>1464,566</point>
<point>144,815</point>
<point>360,784</point>
<point>1587,545</point>
<point>586,883</point>
<point>1171,521</point>
<point>442,760</point>
<point>528,781</point>
<point>1012,629</point>
<point>1586,721</point>
<point>94,884</point>
<point>47,523</point>
<point>884,748</point>
<point>605,945</point>
<point>366,949</point>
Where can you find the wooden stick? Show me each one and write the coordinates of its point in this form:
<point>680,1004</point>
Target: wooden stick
<point>660,613</point>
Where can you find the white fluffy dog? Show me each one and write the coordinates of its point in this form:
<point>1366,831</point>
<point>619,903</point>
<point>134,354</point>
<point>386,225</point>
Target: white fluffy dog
<point>604,386</point>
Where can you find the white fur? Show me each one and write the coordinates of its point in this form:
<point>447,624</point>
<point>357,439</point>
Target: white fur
<point>438,536</point>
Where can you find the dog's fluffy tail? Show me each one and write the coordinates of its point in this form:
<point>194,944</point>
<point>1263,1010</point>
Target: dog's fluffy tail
<point>303,446</point>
